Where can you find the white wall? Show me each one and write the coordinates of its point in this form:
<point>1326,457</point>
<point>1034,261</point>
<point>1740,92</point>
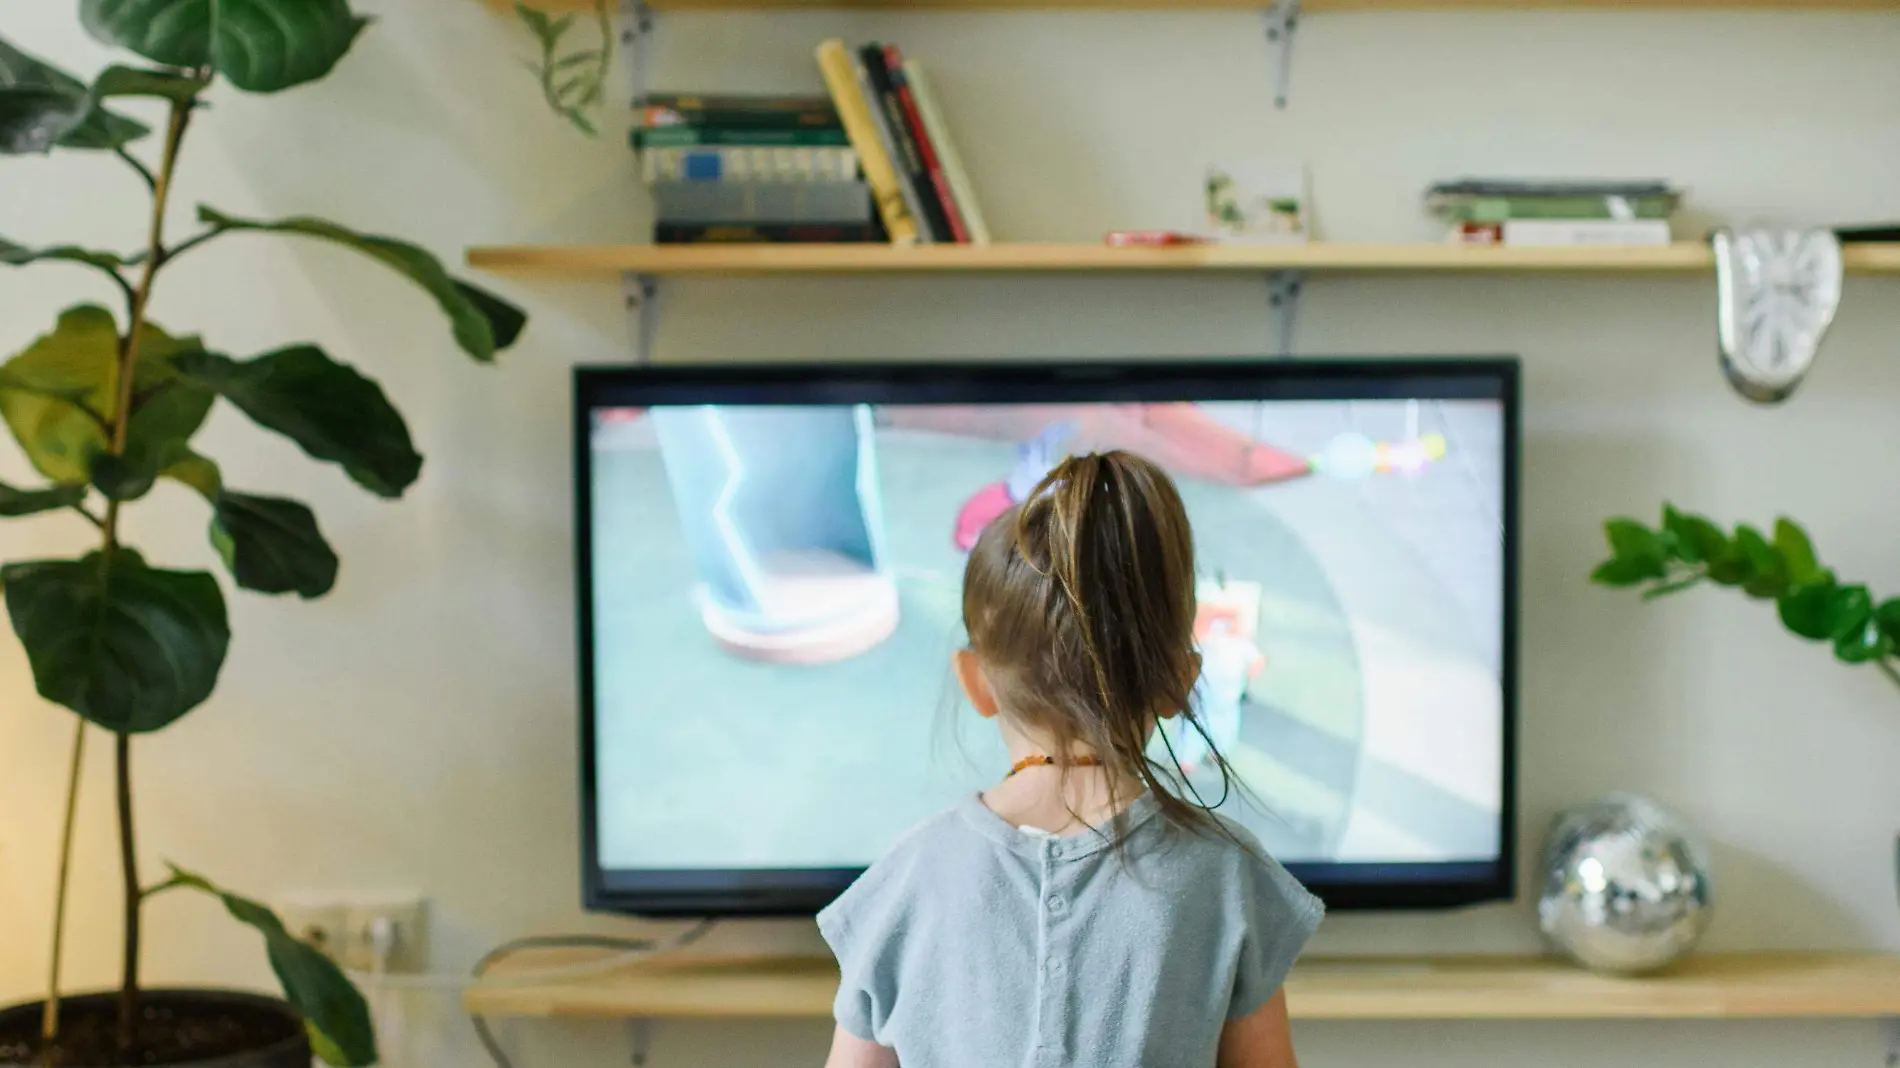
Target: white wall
<point>415,729</point>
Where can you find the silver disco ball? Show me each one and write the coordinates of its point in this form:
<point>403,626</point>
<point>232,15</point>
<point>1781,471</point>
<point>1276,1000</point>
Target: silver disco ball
<point>1626,886</point>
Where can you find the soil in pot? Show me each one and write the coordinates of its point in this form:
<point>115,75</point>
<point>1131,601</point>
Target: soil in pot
<point>175,1027</point>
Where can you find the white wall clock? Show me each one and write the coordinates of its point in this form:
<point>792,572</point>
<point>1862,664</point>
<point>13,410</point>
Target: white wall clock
<point>1778,291</point>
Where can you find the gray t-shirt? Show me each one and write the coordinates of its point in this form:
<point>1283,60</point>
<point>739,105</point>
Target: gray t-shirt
<point>976,944</point>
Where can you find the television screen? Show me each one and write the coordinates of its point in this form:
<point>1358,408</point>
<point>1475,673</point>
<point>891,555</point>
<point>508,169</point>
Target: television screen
<point>771,561</point>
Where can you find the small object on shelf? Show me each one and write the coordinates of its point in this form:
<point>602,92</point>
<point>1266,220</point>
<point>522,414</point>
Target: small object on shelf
<point>684,233</point>
<point>1152,238</point>
<point>1563,233</point>
<point>1856,235</point>
<point>1555,214</point>
<point>854,107</point>
<point>1626,886</point>
<point>1256,202</point>
<point>1777,292</point>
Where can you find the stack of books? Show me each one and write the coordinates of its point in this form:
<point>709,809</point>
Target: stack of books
<point>751,169</point>
<point>1541,213</point>
<point>890,115</point>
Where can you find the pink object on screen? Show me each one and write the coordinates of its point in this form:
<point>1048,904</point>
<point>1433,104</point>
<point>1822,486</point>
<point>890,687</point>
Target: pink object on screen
<point>980,511</point>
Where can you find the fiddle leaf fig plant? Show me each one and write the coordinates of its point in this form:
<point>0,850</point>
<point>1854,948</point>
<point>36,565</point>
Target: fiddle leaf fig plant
<point>1687,550</point>
<point>106,404</point>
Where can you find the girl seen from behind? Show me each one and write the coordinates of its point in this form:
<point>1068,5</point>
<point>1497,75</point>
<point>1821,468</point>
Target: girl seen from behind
<point>1080,912</point>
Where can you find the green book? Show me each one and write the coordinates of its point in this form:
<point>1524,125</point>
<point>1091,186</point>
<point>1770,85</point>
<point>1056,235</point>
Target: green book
<point>693,136</point>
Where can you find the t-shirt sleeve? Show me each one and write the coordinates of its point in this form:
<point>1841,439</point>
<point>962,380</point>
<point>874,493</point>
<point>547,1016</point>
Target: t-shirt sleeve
<point>864,928</point>
<point>1279,916</point>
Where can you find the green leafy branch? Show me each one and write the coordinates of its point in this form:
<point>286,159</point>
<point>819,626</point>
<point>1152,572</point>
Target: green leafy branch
<point>106,405</point>
<point>1688,550</point>
<point>573,82</point>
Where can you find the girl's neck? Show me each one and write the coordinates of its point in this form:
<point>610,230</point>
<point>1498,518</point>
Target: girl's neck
<point>1064,797</point>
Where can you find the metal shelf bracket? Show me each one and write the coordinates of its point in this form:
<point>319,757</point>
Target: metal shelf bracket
<point>643,313</point>
<point>640,1034</point>
<point>1283,300</point>
<point>636,39</point>
<point>1283,18</point>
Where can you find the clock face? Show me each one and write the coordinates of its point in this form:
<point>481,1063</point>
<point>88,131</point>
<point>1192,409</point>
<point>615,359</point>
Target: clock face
<point>1779,291</point>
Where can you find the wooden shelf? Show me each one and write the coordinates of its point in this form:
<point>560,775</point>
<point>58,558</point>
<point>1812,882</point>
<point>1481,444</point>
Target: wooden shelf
<point>1245,5</point>
<point>1709,986</point>
<point>1682,257</point>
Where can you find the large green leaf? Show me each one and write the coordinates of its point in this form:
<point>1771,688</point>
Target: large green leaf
<point>335,1015</point>
<point>483,323</point>
<point>1767,576</point>
<point>79,360</point>
<point>328,408</point>
<point>18,502</point>
<point>56,395</point>
<point>272,545</point>
<point>260,45</point>
<point>42,107</point>
<point>129,647</point>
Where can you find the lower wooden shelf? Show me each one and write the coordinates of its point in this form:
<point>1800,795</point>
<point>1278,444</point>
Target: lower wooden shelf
<point>1708,986</point>
<point>1685,257</point>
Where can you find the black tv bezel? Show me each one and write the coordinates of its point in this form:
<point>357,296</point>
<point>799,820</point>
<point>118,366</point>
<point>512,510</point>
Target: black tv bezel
<point>804,891</point>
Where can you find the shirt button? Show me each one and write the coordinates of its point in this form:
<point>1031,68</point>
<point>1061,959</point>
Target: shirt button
<point>1057,904</point>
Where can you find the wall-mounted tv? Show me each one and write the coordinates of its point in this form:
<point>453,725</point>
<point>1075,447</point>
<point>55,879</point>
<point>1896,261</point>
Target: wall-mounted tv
<point>770,562</point>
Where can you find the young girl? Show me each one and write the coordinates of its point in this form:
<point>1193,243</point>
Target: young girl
<point>1079,913</point>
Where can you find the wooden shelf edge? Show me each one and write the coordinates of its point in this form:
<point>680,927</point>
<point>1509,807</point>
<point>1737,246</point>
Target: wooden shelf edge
<point>1706,986</point>
<point>1244,5</point>
<point>791,259</point>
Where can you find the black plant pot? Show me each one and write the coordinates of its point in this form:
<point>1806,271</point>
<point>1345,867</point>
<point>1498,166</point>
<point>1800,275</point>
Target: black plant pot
<point>228,1030</point>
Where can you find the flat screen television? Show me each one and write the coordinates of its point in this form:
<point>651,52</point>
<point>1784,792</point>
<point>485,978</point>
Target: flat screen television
<point>770,563</point>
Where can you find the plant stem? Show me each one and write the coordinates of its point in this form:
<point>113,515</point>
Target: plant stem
<point>129,868</point>
<point>144,172</point>
<point>179,119</point>
<point>49,1021</point>
<point>1887,668</point>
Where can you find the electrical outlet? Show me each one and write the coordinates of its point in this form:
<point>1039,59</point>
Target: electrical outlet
<point>397,927</point>
<point>351,933</point>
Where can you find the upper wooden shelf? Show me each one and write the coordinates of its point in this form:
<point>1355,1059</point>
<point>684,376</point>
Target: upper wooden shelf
<point>1682,257</point>
<point>1247,5</point>
<point>1707,986</point>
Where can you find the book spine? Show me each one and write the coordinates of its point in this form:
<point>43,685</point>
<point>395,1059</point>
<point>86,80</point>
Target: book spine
<point>763,202</point>
<point>834,61</point>
<point>764,104</point>
<point>964,192</point>
<point>935,214</point>
<point>645,137</point>
<point>887,138</point>
<point>780,113</point>
<point>1553,232</point>
<point>684,233</point>
<point>933,165</point>
<point>1498,209</point>
<point>743,164</point>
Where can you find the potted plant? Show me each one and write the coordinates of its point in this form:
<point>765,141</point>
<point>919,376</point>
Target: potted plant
<point>104,404</point>
<point>1688,550</point>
